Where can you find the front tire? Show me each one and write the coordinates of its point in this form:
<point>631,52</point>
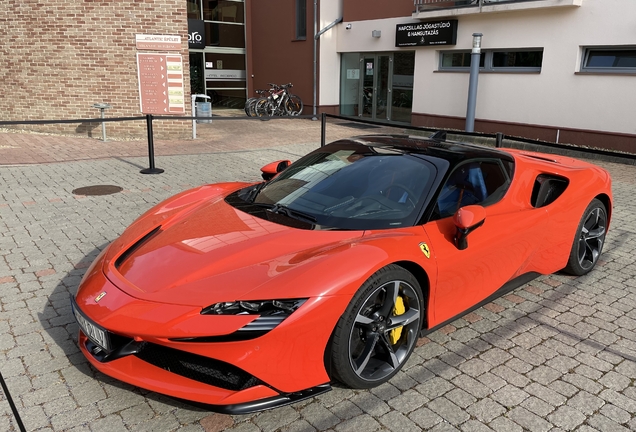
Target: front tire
<point>293,105</point>
<point>589,240</point>
<point>378,331</point>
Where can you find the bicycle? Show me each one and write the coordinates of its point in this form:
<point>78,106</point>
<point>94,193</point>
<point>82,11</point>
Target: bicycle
<point>250,104</point>
<point>280,102</point>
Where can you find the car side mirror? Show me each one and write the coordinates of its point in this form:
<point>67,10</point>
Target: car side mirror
<point>270,170</point>
<point>467,219</point>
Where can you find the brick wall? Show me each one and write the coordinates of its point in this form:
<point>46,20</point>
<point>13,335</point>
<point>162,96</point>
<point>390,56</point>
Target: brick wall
<point>59,57</point>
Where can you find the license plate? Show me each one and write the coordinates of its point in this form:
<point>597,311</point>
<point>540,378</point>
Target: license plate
<point>95,333</point>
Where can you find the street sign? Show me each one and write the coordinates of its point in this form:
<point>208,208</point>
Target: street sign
<point>426,33</point>
<point>158,42</point>
<point>161,83</point>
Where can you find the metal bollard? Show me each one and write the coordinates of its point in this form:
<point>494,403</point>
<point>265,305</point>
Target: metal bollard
<point>102,106</point>
<point>151,149</point>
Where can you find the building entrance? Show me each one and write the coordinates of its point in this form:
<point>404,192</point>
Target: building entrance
<point>377,86</point>
<point>217,51</point>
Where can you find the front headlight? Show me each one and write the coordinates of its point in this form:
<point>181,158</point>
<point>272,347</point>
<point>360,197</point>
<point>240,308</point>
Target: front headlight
<point>260,307</point>
<point>271,314</point>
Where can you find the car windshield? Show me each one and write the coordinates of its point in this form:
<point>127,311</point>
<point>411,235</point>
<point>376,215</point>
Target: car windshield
<point>348,186</point>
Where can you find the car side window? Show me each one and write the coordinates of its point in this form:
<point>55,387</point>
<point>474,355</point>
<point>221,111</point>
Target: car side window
<point>475,182</point>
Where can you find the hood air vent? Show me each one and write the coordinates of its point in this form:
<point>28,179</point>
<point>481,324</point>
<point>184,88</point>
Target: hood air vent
<point>123,257</point>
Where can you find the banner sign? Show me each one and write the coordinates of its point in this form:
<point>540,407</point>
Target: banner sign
<point>426,33</point>
<point>161,89</point>
<point>158,42</point>
<point>196,34</point>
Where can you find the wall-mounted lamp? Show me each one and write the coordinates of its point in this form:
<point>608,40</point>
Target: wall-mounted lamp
<point>376,33</point>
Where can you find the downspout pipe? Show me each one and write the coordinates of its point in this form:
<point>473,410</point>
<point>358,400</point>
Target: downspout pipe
<point>317,35</point>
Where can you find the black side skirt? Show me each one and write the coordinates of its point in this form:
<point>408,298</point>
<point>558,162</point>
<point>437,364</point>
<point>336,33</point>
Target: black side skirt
<point>505,289</point>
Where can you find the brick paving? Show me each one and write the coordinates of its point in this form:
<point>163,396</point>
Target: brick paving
<point>557,354</point>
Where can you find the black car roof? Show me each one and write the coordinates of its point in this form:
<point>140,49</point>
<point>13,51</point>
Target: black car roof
<point>453,151</point>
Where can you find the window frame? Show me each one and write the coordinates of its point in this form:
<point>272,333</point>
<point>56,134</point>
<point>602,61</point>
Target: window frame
<point>488,61</point>
<point>587,50</point>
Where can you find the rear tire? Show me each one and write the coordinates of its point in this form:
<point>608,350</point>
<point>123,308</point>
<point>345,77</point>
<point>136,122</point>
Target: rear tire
<point>589,240</point>
<point>378,331</point>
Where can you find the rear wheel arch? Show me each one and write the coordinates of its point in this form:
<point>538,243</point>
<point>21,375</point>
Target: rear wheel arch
<point>607,202</point>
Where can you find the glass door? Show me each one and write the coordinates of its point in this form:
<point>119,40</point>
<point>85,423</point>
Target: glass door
<point>377,86</point>
<point>382,91</point>
<point>367,96</point>
<point>376,92</point>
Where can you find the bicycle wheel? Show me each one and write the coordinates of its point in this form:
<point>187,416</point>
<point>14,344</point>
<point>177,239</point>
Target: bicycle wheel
<point>293,105</point>
<point>261,107</point>
<point>252,107</point>
<point>249,106</point>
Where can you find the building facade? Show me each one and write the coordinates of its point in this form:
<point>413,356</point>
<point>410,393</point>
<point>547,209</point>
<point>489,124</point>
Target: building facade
<point>557,70</point>
<point>60,57</point>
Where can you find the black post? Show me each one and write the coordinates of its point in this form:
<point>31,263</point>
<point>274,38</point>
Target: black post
<point>499,142</point>
<point>18,420</point>
<point>323,129</point>
<point>151,149</point>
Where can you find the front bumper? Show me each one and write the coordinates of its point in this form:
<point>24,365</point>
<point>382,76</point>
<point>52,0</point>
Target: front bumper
<point>252,394</point>
<point>278,368</point>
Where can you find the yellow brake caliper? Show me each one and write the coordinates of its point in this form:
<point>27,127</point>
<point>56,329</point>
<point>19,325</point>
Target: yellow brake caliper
<point>398,309</point>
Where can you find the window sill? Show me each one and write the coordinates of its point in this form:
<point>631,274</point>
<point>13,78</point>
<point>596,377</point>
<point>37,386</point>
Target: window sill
<point>481,71</point>
<point>606,72</point>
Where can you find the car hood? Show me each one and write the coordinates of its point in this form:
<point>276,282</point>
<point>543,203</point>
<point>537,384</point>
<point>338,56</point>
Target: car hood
<point>215,253</point>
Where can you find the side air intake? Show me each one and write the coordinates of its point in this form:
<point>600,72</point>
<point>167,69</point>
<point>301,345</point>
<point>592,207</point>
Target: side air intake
<point>547,188</point>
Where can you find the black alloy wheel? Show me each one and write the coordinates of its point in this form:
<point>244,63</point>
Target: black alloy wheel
<point>378,331</point>
<point>589,240</point>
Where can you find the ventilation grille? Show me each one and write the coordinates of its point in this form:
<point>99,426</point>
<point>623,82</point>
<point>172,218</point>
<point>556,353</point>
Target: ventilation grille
<point>198,368</point>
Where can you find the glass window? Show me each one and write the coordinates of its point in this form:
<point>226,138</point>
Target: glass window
<point>223,11</point>
<point>301,19</point>
<point>517,59</point>
<point>349,84</point>
<point>197,85</point>
<point>525,60</point>
<point>346,186</point>
<point>459,59</point>
<point>224,61</point>
<point>194,11</point>
<point>477,182</point>
<point>402,86</point>
<point>224,35</point>
<point>610,60</point>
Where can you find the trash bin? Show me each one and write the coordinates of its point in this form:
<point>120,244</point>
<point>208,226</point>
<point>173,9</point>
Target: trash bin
<point>204,109</point>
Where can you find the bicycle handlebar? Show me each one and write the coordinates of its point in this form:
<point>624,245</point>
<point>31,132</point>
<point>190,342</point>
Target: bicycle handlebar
<point>276,86</point>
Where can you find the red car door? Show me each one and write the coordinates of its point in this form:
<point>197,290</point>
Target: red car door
<point>498,251</point>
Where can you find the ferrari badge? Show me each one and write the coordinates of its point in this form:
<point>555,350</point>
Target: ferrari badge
<point>425,250</point>
<point>103,293</point>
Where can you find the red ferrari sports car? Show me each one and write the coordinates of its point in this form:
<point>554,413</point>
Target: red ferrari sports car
<point>249,296</point>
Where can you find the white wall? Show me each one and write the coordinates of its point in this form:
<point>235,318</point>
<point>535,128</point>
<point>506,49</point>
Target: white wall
<point>329,65</point>
<point>555,97</point>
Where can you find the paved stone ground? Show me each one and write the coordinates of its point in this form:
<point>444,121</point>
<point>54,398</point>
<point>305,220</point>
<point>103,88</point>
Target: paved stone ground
<point>558,354</point>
